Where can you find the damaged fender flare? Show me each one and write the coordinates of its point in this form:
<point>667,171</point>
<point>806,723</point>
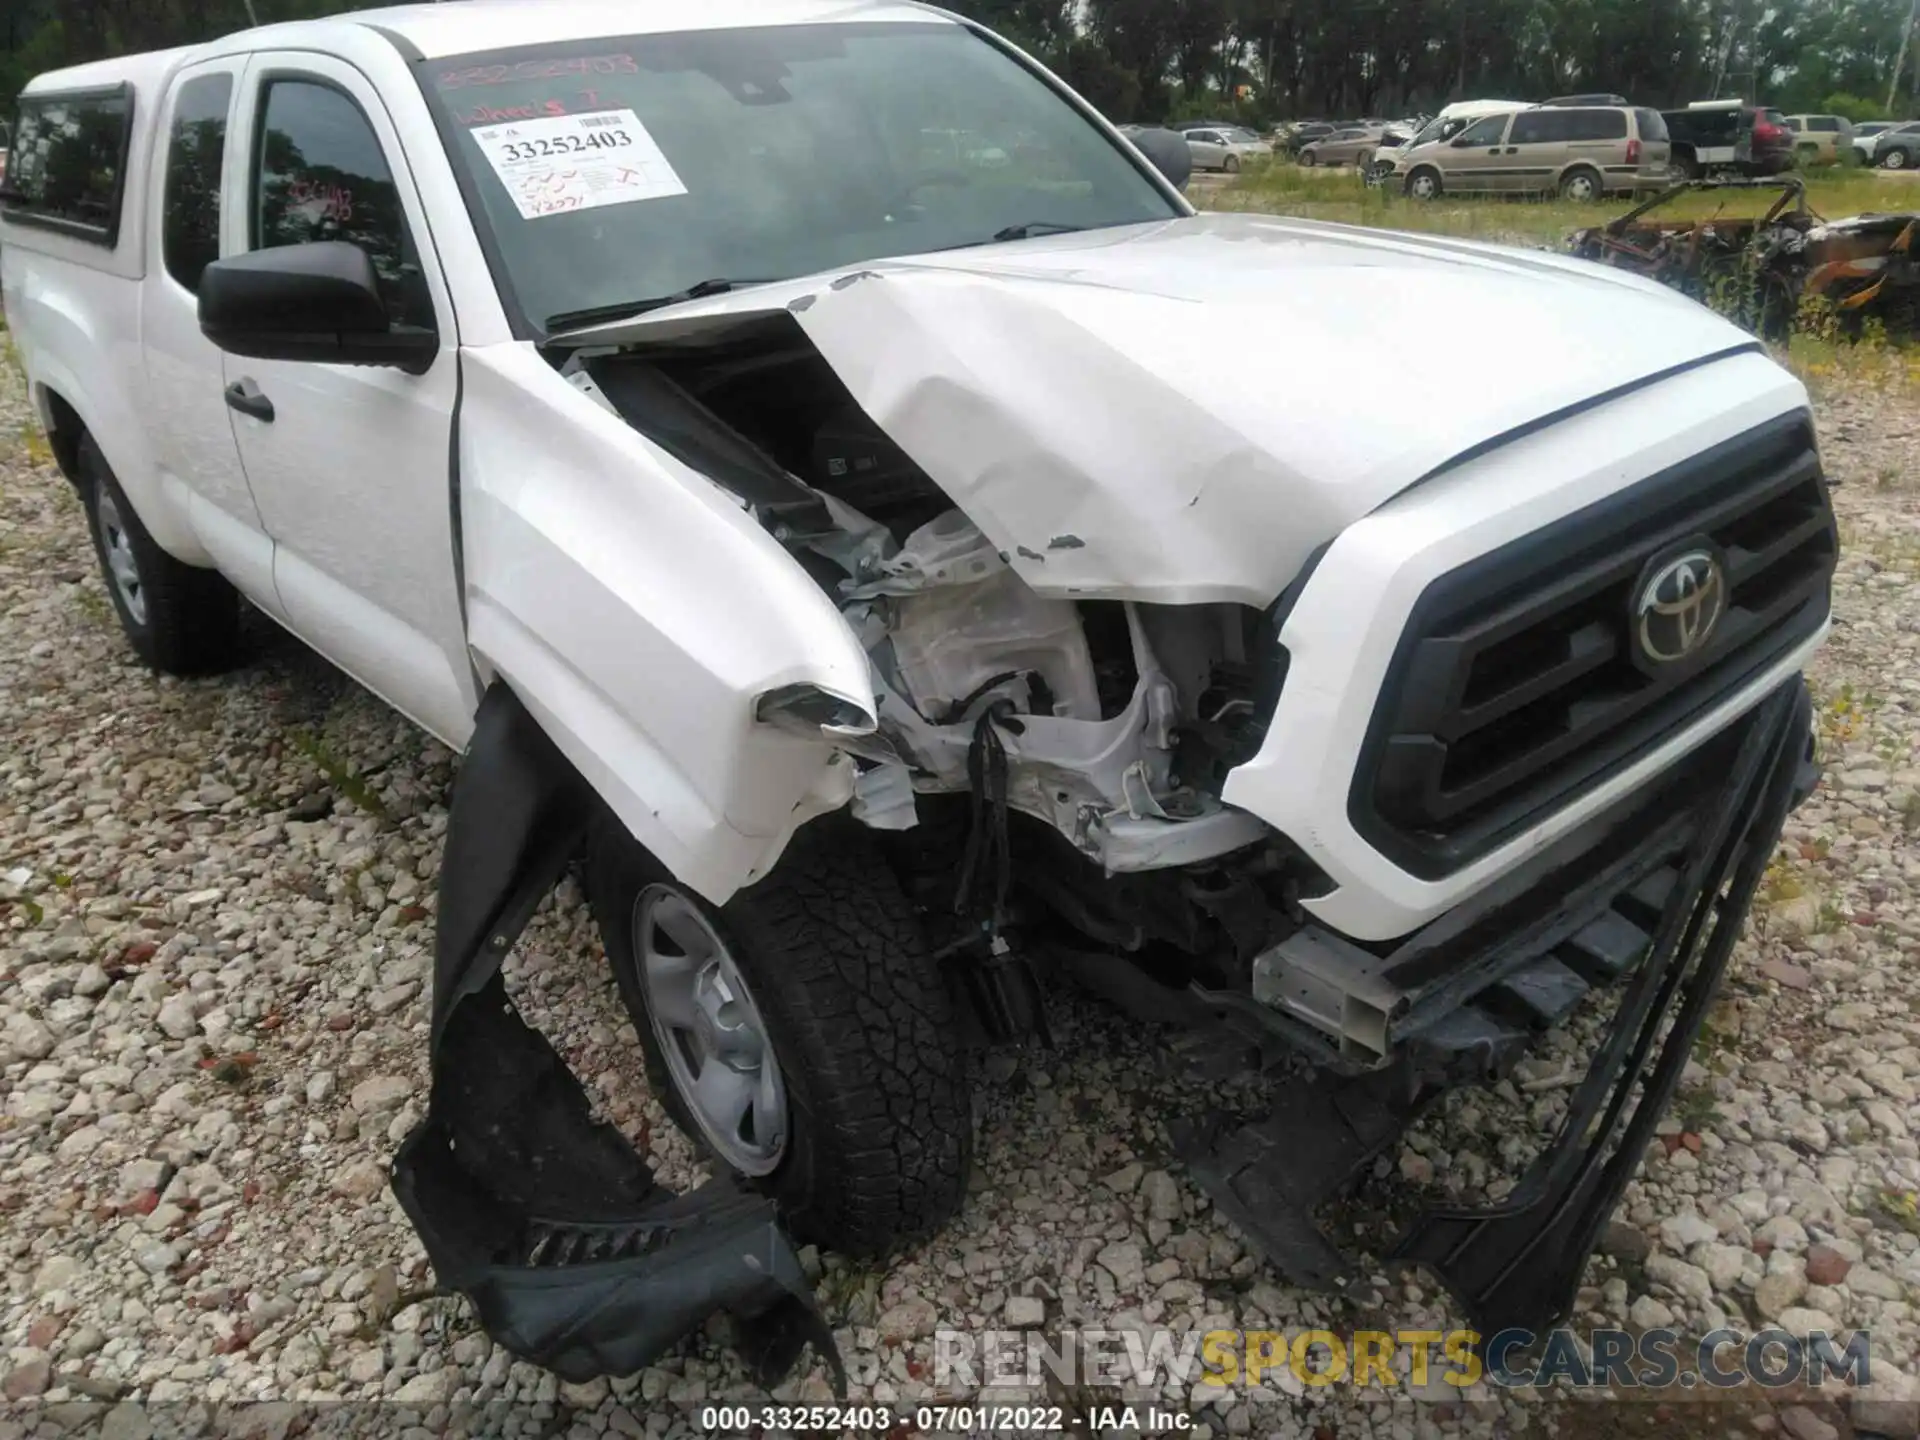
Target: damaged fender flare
<point>547,1220</point>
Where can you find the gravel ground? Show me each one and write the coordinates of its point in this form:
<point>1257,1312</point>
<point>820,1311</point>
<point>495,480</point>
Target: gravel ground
<point>215,905</point>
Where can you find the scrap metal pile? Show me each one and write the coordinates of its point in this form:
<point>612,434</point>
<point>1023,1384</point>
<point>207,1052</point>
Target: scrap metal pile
<point>1785,267</point>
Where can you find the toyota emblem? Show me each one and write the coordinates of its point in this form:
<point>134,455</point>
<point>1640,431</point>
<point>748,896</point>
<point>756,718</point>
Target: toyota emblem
<point>1680,602</point>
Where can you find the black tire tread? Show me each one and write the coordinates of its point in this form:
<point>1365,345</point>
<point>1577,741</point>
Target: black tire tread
<point>193,615</point>
<point>868,1040</point>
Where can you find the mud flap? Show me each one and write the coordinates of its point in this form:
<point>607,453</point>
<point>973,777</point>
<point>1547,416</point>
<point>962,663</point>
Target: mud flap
<point>547,1220</point>
<point>1517,1265</point>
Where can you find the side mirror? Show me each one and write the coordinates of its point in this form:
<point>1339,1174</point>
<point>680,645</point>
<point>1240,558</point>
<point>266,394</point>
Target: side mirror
<point>1169,153</point>
<point>318,302</point>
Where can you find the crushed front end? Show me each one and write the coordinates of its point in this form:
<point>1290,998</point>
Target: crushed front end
<point>1383,765</point>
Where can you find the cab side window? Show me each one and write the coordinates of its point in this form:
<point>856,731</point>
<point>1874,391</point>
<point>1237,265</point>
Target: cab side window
<point>196,146</point>
<point>319,174</point>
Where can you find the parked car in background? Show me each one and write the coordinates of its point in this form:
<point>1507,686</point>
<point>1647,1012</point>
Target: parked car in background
<point>1580,154</point>
<point>1728,137</point>
<point>1181,127</point>
<point>1343,147</point>
<point>1821,139</point>
<point>1583,101</point>
<point>1452,119</point>
<point>1225,148</point>
<point>1865,132</point>
<point>1305,133</point>
<point>1899,147</point>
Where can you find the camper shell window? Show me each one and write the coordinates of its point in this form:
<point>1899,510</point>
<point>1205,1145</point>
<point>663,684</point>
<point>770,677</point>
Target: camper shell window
<point>67,170</point>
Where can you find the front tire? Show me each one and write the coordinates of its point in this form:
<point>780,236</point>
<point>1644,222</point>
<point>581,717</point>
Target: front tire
<point>1423,184</point>
<point>1231,165</point>
<point>871,1142</point>
<point>179,618</point>
<point>1895,159</point>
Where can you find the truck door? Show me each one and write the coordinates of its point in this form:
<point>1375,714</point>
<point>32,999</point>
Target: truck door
<point>350,465</point>
<point>193,441</point>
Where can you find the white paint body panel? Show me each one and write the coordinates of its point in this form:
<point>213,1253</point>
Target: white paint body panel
<point>639,612</point>
<point>350,476</point>
<point>193,449</point>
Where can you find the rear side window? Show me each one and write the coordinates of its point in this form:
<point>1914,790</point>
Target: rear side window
<point>1538,127</point>
<point>320,175</point>
<point>1596,124</point>
<point>190,214</point>
<point>67,169</point>
<point>1653,128</point>
<point>1825,124</point>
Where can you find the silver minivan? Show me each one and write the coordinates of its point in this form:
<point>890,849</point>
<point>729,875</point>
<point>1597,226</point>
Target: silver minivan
<point>1579,153</point>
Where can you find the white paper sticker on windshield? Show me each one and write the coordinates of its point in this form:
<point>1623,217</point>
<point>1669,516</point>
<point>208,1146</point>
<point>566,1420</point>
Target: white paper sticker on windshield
<point>575,162</point>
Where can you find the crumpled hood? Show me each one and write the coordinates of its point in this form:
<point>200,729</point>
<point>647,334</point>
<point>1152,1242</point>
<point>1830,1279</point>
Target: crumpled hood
<point>1183,411</point>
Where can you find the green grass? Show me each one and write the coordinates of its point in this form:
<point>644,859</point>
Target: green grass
<point>1339,196</point>
<point>1815,352</point>
<point>345,780</point>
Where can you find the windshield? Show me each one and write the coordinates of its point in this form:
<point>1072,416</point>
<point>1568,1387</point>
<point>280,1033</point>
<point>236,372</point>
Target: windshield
<point>1438,130</point>
<point>621,171</point>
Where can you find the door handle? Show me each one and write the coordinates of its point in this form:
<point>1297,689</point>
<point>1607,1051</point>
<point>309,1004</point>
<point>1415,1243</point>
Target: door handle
<point>246,397</point>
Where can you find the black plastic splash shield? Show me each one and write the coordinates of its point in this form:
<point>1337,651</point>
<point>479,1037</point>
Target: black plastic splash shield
<point>547,1220</point>
<point>1516,1265</point>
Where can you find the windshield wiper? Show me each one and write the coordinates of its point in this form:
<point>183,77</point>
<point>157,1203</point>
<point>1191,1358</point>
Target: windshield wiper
<point>627,309</point>
<point>1035,227</point>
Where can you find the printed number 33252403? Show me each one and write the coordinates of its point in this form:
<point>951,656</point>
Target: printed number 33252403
<point>562,145</point>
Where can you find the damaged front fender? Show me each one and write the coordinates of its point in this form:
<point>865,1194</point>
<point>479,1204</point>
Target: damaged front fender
<point>547,1220</point>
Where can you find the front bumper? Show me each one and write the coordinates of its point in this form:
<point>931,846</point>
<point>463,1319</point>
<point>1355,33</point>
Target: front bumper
<point>1673,905</point>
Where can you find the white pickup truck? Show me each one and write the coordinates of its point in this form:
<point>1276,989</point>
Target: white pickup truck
<point>840,495</point>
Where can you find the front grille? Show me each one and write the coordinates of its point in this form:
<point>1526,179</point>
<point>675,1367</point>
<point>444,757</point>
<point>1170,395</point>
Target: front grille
<point>1516,687</point>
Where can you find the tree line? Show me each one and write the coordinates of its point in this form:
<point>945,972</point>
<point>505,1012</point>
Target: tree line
<point>1261,60</point>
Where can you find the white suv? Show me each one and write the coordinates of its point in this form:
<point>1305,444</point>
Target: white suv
<point>898,572</point>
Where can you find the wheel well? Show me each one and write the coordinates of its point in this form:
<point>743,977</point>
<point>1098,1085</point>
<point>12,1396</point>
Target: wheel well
<point>65,430</point>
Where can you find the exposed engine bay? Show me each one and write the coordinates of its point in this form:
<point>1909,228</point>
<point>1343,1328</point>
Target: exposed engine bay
<point>1091,736</point>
